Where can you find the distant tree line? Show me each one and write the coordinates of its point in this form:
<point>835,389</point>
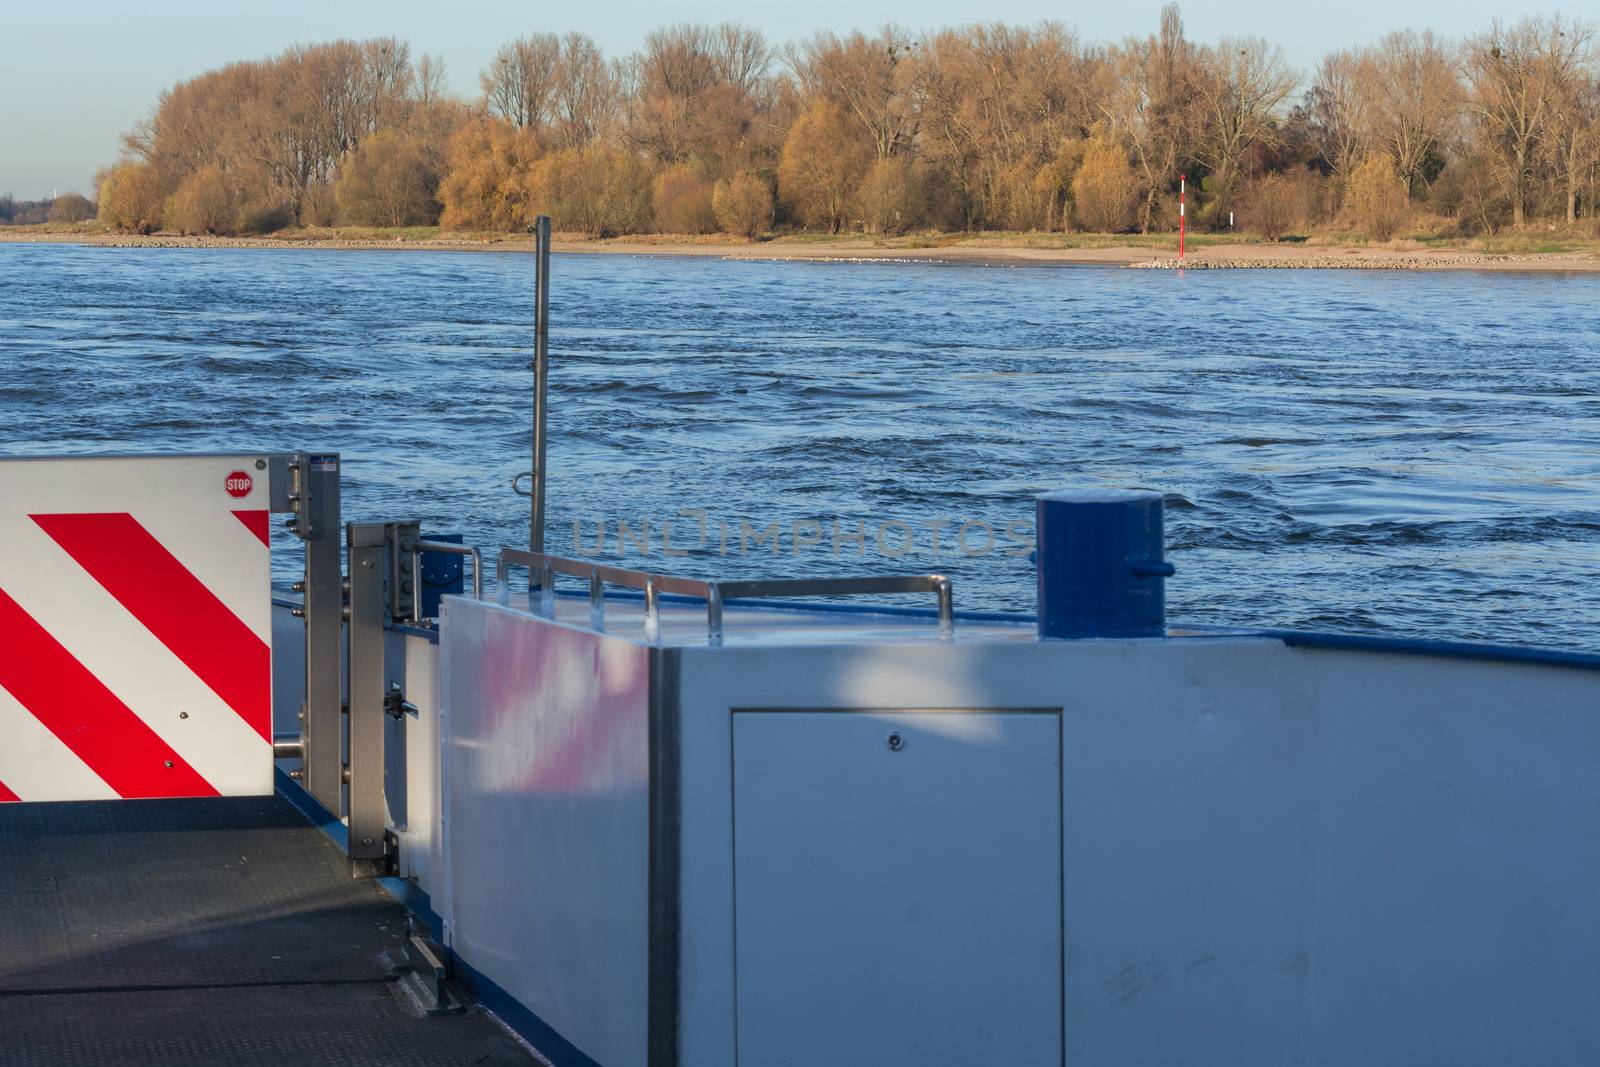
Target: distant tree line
<point>986,127</point>
<point>71,207</point>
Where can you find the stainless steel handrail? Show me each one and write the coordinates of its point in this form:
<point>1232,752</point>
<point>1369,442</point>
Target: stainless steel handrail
<point>542,569</point>
<point>450,548</point>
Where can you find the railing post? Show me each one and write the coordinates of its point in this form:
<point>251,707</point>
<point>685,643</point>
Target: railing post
<point>541,377</point>
<point>368,811</point>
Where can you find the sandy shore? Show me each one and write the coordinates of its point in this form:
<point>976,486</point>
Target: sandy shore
<point>976,250</point>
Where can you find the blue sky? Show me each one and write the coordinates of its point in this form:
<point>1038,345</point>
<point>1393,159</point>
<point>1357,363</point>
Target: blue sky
<point>74,76</point>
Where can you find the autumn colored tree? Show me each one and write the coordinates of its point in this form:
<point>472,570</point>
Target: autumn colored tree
<point>489,175</point>
<point>71,207</point>
<point>823,161</point>
<point>890,198</point>
<point>1105,188</point>
<point>387,182</point>
<point>873,79</point>
<point>206,202</point>
<point>1274,205</point>
<point>743,204</point>
<point>1376,199</point>
<point>682,199</point>
<point>131,199</point>
<point>596,191</point>
<point>983,126</point>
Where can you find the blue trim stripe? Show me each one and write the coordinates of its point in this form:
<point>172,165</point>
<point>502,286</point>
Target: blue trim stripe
<point>1416,646</point>
<point>534,1030</point>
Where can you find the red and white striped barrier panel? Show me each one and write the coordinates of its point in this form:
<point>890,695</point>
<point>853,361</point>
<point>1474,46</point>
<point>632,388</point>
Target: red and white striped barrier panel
<point>135,628</point>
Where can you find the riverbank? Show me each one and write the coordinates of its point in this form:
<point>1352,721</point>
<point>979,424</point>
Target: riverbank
<point>1157,251</point>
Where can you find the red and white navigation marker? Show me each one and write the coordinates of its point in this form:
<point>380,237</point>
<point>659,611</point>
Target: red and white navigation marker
<point>1183,187</point>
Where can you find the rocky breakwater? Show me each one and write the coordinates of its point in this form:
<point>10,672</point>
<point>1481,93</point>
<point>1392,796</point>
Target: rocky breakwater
<point>1309,259</point>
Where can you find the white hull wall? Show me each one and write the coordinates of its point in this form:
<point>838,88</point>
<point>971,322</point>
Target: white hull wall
<point>1268,855</point>
<point>546,821</point>
<point>1271,856</point>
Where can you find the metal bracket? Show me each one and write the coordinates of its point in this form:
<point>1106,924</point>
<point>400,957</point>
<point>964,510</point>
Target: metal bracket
<point>422,975</point>
<point>396,706</point>
<point>404,596</point>
<point>306,485</point>
<point>368,814</point>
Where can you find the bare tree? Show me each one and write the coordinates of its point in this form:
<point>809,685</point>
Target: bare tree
<point>1412,95</point>
<point>430,80</point>
<point>520,82</point>
<point>742,57</point>
<point>586,91</point>
<point>1241,87</point>
<point>1515,73</point>
<point>871,78</point>
<point>1337,104</point>
<point>1150,102</point>
<point>386,80</point>
<point>1574,126</point>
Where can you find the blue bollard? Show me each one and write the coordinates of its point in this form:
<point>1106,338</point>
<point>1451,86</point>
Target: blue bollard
<point>441,575</point>
<point>1101,572</point>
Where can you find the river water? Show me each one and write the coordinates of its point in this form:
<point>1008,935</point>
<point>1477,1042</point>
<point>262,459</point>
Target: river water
<point>1412,453</point>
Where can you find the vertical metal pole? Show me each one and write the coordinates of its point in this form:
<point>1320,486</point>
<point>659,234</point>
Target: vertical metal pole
<point>317,520</point>
<point>367,609</point>
<point>541,377</point>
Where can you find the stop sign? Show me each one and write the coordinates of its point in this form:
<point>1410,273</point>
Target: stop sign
<point>238,484</point>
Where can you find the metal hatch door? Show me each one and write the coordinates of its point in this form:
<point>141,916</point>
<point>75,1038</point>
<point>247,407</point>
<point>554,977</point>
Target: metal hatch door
<point>898,887</point>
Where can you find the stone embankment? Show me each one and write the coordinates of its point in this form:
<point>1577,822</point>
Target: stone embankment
<point>1433,261</point>
<point>271,242</point>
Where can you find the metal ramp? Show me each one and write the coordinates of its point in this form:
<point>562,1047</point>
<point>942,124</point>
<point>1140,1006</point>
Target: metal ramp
<point>216,931</point>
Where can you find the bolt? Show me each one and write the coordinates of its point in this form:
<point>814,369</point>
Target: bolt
<point>366,840</point>
<point>183,714</point>
<point>168,763</point>
<point>896,742</point>
<point>261,464</point>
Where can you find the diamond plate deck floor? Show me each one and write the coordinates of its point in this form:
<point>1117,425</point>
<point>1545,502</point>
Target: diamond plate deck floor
<point>199,932</point>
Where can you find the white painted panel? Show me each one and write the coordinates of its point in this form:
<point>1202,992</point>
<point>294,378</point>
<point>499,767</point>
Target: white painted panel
<point>547,820</point>
<point>1458,862</point>
<point>898,904</point>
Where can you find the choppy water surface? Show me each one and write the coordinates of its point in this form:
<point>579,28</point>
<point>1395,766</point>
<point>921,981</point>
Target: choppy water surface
<point>1414,453</point>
